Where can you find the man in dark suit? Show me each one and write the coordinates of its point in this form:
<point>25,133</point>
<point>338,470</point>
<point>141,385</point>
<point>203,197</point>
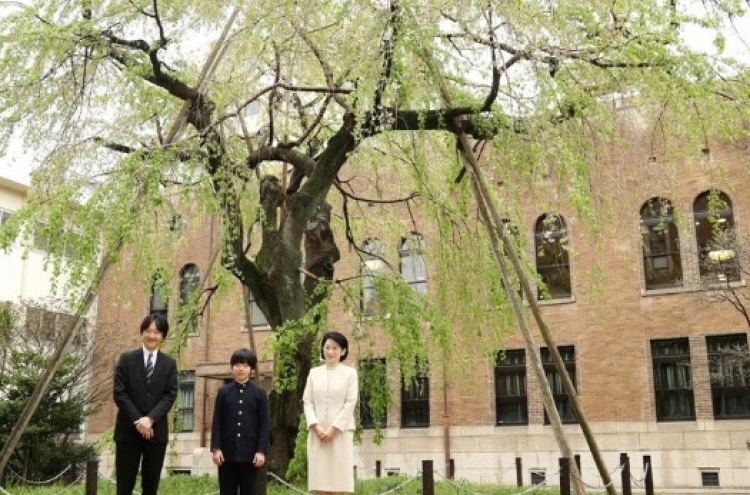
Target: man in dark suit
<point>241,428</point>
<point>145,388</point>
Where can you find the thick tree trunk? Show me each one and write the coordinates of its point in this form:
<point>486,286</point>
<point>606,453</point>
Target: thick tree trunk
<point>285,410</point>
<point>321,253</point>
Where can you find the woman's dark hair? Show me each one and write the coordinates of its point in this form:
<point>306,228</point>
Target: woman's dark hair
<point>339,339</point>
<point>159,321</point>
<point>244,356</point>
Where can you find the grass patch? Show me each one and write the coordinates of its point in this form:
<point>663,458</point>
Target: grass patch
<point>208,485</point>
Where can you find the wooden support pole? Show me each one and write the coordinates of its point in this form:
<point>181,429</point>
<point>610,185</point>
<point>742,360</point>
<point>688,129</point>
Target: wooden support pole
<point>564,476</point>
<point>428,478</point>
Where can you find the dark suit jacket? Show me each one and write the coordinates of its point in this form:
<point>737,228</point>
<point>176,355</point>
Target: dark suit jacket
<point>241,424</point>
<point>135,398</point>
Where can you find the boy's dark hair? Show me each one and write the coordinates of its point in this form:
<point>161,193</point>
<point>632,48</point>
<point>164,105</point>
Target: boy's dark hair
<point>160,322</point>
<point>245,356</point>
<point>339,339</point>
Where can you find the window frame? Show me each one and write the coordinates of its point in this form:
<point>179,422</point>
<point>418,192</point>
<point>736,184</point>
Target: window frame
<point>158,302</point>
<point>372,265</point>
<point>666,361</point>
<point>708,223</point>
<point>660,246</point>
<point>185,414</point>
<point>562,401</point>
<point>552,257</point>
<point>415,401</point>
<point>509,364</point>
<point>411,260</point>
<point>257,318</point>
<point>735,351</point>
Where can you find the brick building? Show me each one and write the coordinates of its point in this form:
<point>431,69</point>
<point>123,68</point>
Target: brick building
<point>628,303</point>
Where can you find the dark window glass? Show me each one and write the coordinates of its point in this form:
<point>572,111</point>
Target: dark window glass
<point>552,260</point>
<point>673,383</point>
<point>564,408</point>
<point>710,478</point>
<point>373,396</point>
<point>538,477</point>
<point>511,402</point>
<point>729,366</point>
<point>415,402</point>
<point>662,265</point>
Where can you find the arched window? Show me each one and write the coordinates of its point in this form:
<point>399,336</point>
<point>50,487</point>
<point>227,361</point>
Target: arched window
<point>190,279</point>
<point>552,260</point>
<point>372,266</point>
<point>412,261</point>
<point>662,266</point>
<point>714,222</point>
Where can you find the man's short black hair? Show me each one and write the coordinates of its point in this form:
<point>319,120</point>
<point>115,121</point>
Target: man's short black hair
<point>160,322</point>
<point>245,356</point>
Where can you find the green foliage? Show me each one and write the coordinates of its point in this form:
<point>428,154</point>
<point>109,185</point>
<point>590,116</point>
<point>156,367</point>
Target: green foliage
<point>375,392</point>
<point>7,319</point>
<point>297,470</point>
<point>285,342</point>
<point>46,444</point>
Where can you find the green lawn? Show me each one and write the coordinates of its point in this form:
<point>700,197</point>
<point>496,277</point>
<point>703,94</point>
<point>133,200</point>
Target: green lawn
<point>207,485</point>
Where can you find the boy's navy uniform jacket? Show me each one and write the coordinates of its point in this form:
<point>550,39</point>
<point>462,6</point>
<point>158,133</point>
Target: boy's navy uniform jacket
<point>241,424</point>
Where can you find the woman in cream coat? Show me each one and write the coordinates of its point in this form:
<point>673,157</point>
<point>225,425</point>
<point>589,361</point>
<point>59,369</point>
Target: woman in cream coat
<point>330,399</point>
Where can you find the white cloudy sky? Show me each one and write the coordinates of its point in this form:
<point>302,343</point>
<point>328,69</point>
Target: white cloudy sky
<point>16,164</point>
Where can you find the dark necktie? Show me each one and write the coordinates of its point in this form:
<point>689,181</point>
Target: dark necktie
<point>149,366</point>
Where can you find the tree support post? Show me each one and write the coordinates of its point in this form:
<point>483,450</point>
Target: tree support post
<point>92,476</point>
<point>564,476</point>
<point>428,478</point>
<point>496,230</point>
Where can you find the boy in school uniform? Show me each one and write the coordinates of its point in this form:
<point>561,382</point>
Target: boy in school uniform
<point>241,429</point>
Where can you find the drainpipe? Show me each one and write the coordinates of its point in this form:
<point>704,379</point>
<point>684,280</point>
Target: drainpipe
<point>446,417</point>
<point>207,346</point>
